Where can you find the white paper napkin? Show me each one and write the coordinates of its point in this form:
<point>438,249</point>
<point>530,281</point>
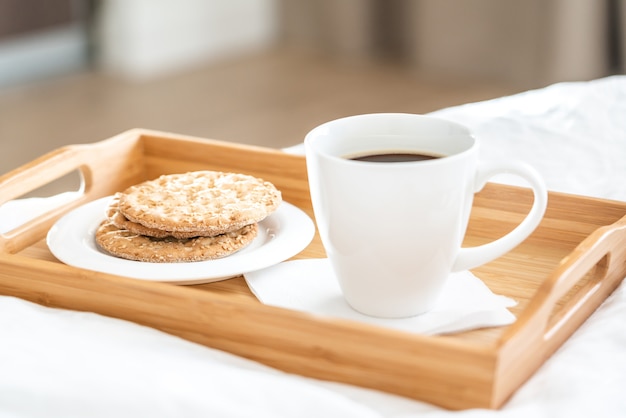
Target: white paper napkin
<point>309,285</point>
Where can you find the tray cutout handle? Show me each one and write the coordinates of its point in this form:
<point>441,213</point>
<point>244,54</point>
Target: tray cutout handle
<point>36,194</point>
<point>575,289</point>
<point>95,164</point>
<point>580,291</point>
<point>54,195</point>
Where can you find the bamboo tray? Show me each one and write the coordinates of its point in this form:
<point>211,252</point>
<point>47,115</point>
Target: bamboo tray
<point>559,276</point>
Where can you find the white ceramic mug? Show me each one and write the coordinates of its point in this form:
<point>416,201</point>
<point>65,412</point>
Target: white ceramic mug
<point>393,231</point>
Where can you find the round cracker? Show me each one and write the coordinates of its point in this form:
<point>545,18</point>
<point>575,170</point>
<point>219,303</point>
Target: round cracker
<point>210,201</point>
<point>119,220</point>
<point>125,244</point>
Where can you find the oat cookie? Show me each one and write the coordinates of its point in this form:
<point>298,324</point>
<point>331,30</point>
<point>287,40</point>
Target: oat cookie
<point>209,201</point>
<point>115,216</point>
<point>125,244</point>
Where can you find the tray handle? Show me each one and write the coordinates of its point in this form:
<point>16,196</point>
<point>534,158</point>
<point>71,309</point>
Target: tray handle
<point>96,164</point>
<point>597,265</point>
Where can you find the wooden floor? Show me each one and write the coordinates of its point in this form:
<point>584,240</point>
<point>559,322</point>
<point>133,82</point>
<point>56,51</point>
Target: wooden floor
<point>270,99</point>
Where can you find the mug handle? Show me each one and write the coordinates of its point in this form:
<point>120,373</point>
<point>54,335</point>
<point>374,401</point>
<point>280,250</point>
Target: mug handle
<point>471,257</point>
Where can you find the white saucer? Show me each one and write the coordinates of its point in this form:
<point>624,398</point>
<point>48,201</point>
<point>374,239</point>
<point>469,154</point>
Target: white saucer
<point>281,235</point>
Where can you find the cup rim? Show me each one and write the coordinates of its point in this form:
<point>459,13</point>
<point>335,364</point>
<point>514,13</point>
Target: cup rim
<point>311,144</point>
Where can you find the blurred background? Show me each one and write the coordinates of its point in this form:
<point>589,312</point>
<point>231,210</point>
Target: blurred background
<point>266,71</point>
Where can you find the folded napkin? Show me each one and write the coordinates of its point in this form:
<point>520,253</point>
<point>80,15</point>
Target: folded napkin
<point>310,285</point>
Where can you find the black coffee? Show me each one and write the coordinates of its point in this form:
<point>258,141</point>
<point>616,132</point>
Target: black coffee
<point>396,157</point>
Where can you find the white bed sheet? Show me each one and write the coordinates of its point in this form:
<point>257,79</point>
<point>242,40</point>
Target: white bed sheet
<point>59,363</point>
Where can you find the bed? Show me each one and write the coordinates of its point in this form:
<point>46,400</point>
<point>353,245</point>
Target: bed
<point>61,363</point>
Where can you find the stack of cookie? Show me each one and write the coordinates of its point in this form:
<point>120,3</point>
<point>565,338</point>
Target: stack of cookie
<point>194,216</point>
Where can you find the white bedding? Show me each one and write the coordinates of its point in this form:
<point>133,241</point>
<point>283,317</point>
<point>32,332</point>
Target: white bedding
<point>58,363</point>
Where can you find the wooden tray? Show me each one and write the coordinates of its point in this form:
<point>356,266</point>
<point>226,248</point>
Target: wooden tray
<point>559,276</point>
